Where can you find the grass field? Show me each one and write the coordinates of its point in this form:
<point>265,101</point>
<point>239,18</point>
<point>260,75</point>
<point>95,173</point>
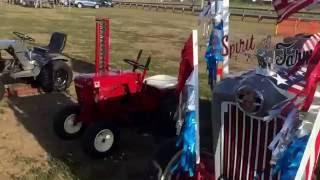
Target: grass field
<point>29,148</point>
<point>160,34</point>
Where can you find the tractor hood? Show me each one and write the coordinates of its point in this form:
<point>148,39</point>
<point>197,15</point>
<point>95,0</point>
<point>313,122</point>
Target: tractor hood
<point>253,93</point>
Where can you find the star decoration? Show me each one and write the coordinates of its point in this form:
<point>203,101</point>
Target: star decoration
<point>280,80</point>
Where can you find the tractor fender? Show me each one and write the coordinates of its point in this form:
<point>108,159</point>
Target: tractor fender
<point>59,58</point>
<point>64,59</point>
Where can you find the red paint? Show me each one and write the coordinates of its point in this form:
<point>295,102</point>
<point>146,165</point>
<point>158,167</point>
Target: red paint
<point>97,47</point>
<point>111,95</point>
<point>107,45</point>
<point>102,38</point>
<point>308,170</point>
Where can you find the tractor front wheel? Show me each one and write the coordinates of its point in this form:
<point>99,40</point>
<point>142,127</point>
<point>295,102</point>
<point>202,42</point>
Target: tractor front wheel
<point>2,90</point>
<point>100,139</point>
<point>65,125</point>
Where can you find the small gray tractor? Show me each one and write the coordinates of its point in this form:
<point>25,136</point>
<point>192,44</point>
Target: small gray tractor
<point>44,65</point>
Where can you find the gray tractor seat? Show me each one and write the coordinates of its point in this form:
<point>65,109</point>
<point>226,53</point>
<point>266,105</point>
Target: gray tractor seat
<point>162,82</point>
<point>56,45</point>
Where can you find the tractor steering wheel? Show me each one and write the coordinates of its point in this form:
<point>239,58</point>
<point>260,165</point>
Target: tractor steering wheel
<point>23,36</point>
<point>135,64</point>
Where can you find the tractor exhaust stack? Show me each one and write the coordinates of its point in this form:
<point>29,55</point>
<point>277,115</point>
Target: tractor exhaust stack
<point>102,45</point>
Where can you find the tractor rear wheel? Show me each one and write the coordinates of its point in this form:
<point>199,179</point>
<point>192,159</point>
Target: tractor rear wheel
<point>100,139</point>
<point>64,123</point>
<point>55,76</point>
<point>2,90</point>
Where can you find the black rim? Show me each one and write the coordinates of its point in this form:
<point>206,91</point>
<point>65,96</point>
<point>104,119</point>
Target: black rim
<point>61,78</point>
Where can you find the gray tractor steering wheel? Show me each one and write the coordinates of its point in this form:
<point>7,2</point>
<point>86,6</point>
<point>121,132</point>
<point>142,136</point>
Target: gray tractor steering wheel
<point>23,36</point>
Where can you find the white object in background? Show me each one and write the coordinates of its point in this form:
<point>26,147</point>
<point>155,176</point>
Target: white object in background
<point>196,88</point>
<point>309,156</point>
<point>225,18</point>
<point>222,13</point>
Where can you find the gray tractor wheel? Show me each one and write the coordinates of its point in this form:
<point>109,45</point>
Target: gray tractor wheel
<point>101,139</point>
<point>79,5</point>
<point>64,123</point>
<point>55,76</point>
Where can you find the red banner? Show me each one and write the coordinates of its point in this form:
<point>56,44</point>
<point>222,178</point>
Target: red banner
<point>286,8</point>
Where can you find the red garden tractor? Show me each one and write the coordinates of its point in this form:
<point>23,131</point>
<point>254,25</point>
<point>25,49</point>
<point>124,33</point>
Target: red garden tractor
<point>111,99</point>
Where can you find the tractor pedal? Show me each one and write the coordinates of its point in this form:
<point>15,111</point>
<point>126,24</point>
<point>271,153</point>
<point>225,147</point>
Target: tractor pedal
<point>25,73</point>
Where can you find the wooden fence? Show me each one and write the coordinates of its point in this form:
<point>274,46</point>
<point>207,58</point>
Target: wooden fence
<point>243,12</point>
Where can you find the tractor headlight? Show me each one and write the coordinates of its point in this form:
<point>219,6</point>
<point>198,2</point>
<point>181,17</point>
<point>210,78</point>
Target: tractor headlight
<point>96,84</point>
<point>249,100</point>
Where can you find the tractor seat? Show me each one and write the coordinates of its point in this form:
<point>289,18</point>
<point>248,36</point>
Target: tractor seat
<point>56,45</point>
<point>162,82</point>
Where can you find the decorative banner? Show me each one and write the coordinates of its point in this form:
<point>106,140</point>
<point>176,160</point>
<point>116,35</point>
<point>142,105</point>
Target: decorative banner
<point>311,43</point>
<point>285,136</point>
<point>288,148</point>
<point>186,64</point>
<point>289,163</point>
<point>286,8</point>
<point>187,140</point>
<point>189,135</point>
<point>207,12</point>
<point>214,52</point>
<point>206,16</point>
<point>312,78</point>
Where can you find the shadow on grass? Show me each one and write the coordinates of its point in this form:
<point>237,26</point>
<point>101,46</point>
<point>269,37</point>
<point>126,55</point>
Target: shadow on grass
<point>36,114</point>
<point>80,65</point>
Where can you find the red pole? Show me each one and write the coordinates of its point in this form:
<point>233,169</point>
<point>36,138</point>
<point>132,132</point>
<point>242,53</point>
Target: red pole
<point>107,44</point>
<point>97,46</point>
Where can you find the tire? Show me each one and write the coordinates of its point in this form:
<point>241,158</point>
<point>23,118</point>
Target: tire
<point>79,5</point>
<point>166,158</point>
<point>55,76</point>
<point>96,6</point>
<point>94,140</point>
<point>161,158</point>
<point>2,90</point>
<point>63,126</point>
